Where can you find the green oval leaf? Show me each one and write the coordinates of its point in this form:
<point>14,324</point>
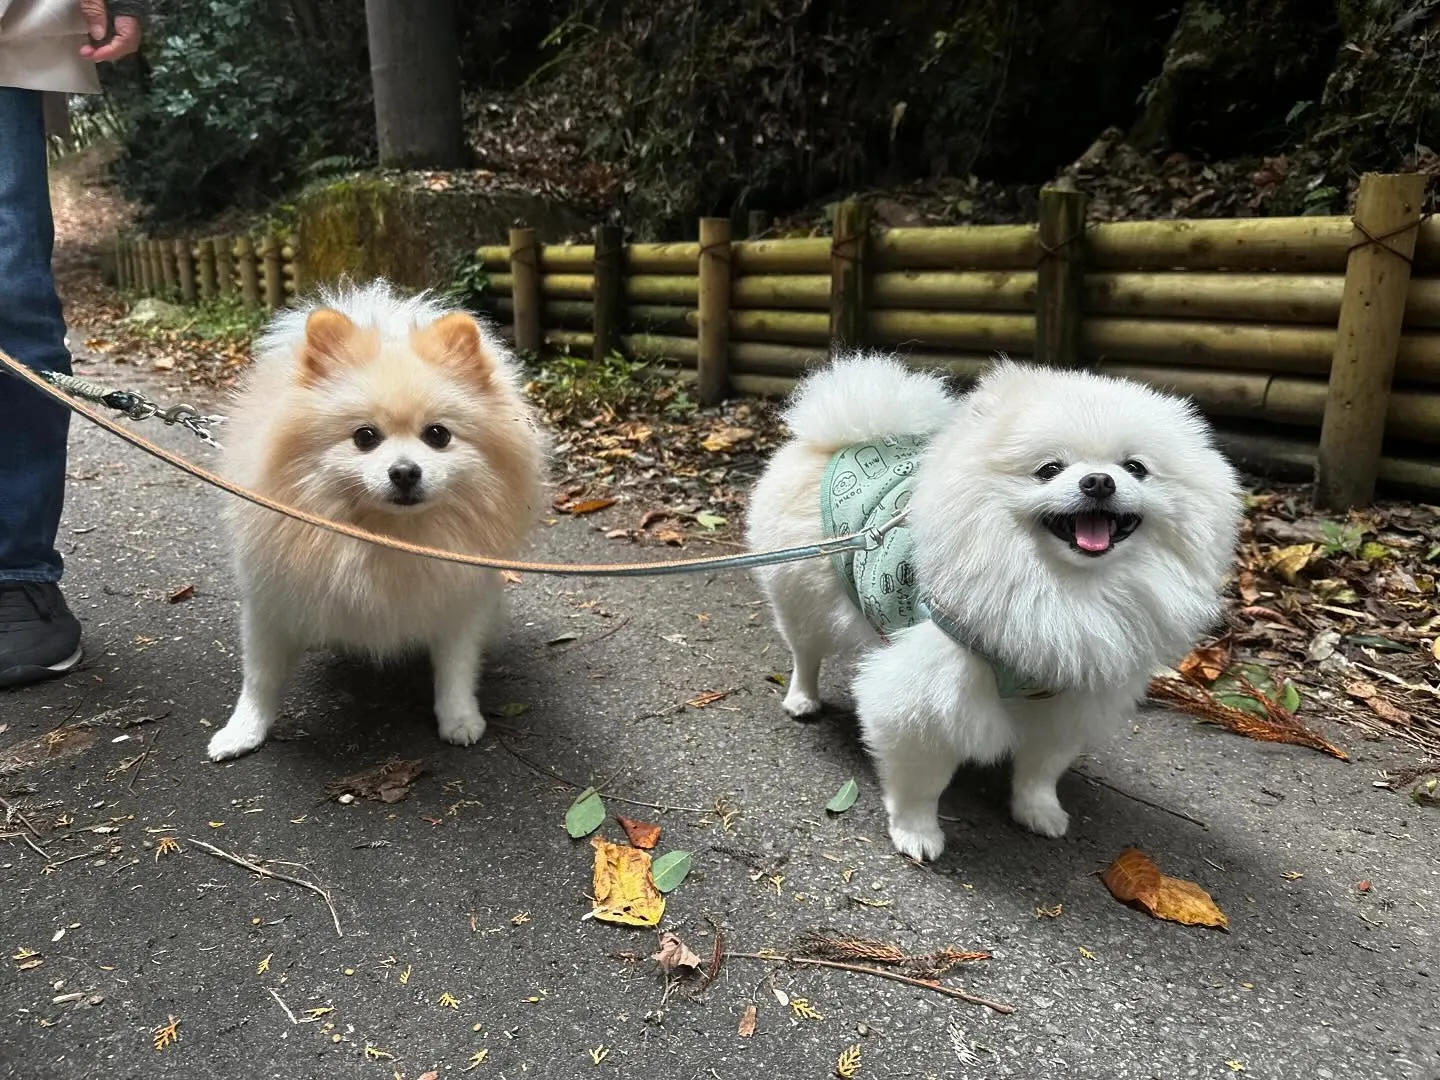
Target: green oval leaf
<point>1243,702</point>
<point>1290,697</point>
<point>585,814</point>
<point>845,798</point>
<point>670,869</point>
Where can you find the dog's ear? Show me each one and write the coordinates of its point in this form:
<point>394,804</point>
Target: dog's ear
<point>327,333</point>
<point>456,343</point>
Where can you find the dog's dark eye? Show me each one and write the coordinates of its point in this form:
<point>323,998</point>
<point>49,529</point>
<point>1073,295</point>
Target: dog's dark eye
<point>367,437</point>
<point>1049,470</point>
<point>436,435</point>
<point>1136,469</point>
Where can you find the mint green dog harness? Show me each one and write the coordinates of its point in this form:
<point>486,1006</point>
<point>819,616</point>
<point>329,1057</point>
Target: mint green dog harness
<point>864,487</point>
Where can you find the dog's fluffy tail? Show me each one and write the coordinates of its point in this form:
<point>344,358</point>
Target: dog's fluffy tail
<point>866,395</point>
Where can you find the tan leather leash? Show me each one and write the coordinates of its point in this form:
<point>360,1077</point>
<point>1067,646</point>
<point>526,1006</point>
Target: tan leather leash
<point>865,540</point>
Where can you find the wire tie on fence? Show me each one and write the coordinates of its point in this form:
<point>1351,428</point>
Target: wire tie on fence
<point>1379,241</point>
<point>1057,251</point>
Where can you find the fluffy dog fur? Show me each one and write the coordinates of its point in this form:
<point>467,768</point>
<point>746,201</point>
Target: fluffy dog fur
<point>1000,463</point>
<point>401,417</point>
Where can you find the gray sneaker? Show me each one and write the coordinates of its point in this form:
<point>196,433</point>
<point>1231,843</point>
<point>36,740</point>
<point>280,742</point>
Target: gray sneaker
<point>39,637</point>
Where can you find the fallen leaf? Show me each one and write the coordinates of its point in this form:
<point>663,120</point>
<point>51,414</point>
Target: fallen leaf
<point>803,1009</point>
<point>624,892</point>
<point>585,815</point>
<point>726,438</point>
<point>639,833</point>
<point>1134,879</point>
<point>561,639</point>
<point>707,520</point>
<point>675,954</point>
<point>512,709</point>
<point>747,1023</point>
<point>670,870</point>
<point>585,506</point>
<point>848,1064</point>
<point>669,535</point>
<point>387,783</point>
<point>709,697</point>
<point>845,798</point>
<point>1207,664</point>
<point>184,593</point>
<point>1287,562</point>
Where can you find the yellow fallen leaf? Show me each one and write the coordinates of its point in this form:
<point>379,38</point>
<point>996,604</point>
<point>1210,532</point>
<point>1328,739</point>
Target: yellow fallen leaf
<point>1134,878</point>
<point>1289,561</point>
<point>726,438</point>
<point>624,892</point>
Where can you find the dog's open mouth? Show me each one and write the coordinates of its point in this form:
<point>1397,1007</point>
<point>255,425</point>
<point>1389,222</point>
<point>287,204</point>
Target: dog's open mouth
<point>1093,532</point>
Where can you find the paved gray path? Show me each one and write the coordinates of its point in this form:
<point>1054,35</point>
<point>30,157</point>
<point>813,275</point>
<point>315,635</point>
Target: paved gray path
<point>478,892</point>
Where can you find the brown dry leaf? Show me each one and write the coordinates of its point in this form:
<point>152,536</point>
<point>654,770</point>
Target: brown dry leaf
<point>708,697</point>
<point>652,516</point>
<point>726,438</point>
<point>674,954</point>
<point>585,506</point>
<point>180,594</point>
<point>624,892</point>
<point>1134,879</point>
<point>1287,562</point>
<point>1279,726</point>
<point>639,833</point>
<point>1379,705</point>
<point>1207,664</point>
<point>747,1023</point>
<point>387,783</point>
<point>669,535</point>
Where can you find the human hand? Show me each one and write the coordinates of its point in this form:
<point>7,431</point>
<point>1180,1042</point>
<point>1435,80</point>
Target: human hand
<point>102,46</point>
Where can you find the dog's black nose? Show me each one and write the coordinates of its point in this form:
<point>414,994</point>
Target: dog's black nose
<point>1096,485</point>
<point>405,475</point>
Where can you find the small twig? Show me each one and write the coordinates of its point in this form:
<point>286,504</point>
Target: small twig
<point>598,637</point>
<point>11,811</point>
<point>140,761</point>
<point>282,1004</point>
<point>894,976</point>
<point>713,971</point>
<point>1142,801</point>
<point>34,846</point>
<point>547,771</point>
<point>324,894</point>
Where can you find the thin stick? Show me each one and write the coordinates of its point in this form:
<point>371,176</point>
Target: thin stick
<point>547,771</point>
<point>140,762</point>
<point>36,847</point>
<point>598,637</point>
<point>894,976</point>
<point>1144,802</point>
<point>282,1004</point>
<point>264,872</point>
<point>11,811</point>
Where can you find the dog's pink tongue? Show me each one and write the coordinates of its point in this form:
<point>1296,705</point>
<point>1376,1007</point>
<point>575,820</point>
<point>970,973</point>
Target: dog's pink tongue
<point>1092,532</point>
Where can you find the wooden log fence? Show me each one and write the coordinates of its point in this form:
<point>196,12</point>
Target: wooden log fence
<point>187,270</point>
<point>1319,336</point>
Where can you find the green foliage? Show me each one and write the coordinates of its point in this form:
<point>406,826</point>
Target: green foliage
<point>569,385</point>
<point>236,96</point>
<point>469,282</point>
<point>221,320</point>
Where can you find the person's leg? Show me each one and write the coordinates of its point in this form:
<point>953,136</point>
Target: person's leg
<point>38,635</point>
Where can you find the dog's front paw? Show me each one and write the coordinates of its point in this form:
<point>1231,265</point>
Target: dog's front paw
<point>244,731</point>
<point>462,726</point>
<point>1040,812</point>
<point>916,839</point>
<point>800,705</point>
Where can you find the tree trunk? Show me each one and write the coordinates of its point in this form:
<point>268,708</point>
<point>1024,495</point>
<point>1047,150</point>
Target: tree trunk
<point>415,72</point>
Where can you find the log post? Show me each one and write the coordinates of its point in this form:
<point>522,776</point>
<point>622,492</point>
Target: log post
<point>225,265</point>
<point>294,264</point>
<point>205,264</point>
<point>756,223</point>
<point>142,266</point>
<point>169,275</point>
<point>185,270</point>
<point>1060,277</point>
<point>525,290</point>
<point>1377,279</point>
<point>712,357</point>
<point>608,290</point>
<point>122,270</point>
<point>249,273</point>
<point>274,280</point>
<point>848,283</point>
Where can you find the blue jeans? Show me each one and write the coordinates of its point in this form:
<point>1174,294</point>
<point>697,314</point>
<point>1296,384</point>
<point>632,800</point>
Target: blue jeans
<point>33,429</point>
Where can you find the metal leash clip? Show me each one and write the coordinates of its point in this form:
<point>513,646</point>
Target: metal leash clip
<point>137,406</point>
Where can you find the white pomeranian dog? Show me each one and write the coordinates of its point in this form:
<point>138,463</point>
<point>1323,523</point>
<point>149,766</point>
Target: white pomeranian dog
<point>1065,534</point>
<point>399,416</point>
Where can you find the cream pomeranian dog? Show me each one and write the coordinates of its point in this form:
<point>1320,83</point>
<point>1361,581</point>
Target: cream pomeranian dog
<point>398,416</point>
<point>1065,533</point>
